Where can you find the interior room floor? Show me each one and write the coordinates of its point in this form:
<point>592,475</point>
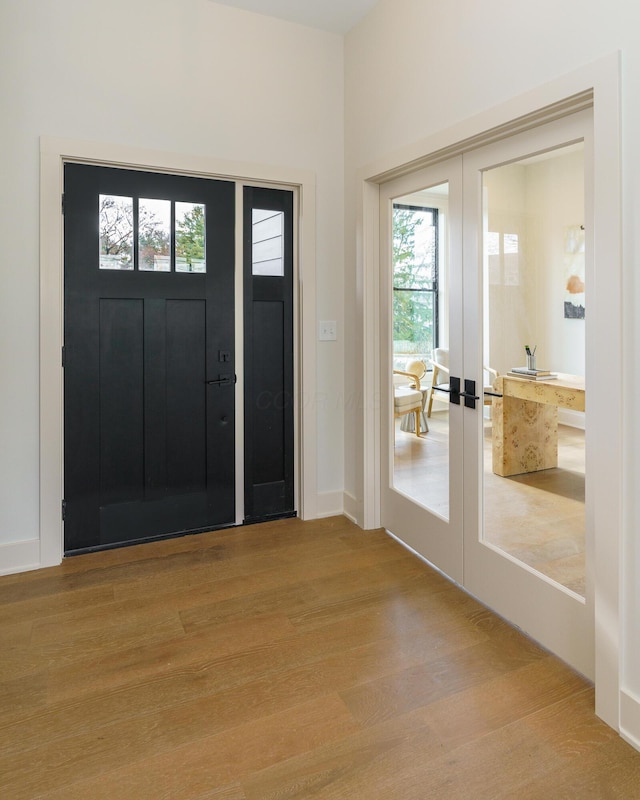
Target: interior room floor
<point>538,518</point>
<point>284,661</point>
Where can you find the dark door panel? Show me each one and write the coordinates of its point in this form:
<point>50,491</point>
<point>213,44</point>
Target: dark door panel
<point>149,445</point>
<point>268,351</point>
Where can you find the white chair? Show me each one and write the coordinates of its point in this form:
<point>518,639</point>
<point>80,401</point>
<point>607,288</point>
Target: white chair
<point>407,399</point>
<point>417,368</point>
<point>440,376</point>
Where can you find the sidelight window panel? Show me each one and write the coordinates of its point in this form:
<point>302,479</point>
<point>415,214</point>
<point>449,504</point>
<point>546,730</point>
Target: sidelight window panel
<point>267,242</point>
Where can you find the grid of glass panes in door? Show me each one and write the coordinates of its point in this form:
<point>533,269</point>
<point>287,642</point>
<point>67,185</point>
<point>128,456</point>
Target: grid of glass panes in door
<point>151,235</point>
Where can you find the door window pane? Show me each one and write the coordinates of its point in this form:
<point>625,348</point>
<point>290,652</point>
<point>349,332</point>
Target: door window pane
<point>267,242</point>
<point>154,235</point>
<point>190,238</point>
<point>420,348</point>
<point>116,232</point>
<point>534,455</point>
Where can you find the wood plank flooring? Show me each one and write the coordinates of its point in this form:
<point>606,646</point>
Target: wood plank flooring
<point>538,517</point>
<point>285,660</point>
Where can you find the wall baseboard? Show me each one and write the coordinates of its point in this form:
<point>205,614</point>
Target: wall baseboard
<point>19,556</point>
<point>630,718</point>
<point>352,508</point>
<point>329,504</point>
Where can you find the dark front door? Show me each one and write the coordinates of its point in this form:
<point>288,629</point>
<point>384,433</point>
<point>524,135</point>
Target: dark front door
<point>149,355</point>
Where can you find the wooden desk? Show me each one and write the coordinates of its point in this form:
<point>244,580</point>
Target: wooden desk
<point>525,421</point>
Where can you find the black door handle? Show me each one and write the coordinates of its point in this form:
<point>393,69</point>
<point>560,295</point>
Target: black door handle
<point>469,394</point>
<point>453,391</point>
<point>223,380</point>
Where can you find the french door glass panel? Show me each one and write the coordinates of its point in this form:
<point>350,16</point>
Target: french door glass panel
<point>420,342</point>
<point>534,290</point>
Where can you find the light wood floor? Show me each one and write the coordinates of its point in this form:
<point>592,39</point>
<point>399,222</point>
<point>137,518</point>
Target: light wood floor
<point>289,660</point>
<point>539,518</point>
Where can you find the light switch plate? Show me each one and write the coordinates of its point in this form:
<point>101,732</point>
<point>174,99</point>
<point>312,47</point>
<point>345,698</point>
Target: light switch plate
<point>327,330</point>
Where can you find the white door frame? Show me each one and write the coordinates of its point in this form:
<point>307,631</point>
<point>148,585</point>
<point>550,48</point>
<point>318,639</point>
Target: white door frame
<point>597,85</point>
<point>54,153</point>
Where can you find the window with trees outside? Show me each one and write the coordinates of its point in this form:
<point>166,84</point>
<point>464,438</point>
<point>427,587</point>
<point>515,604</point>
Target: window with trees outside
<point>151,235</point>
<point>415,283</point>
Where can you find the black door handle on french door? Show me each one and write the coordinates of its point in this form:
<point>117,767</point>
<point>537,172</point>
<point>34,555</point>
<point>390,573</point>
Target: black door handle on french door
<point>469,394</point>
<point>223,380</point>
<point>453,390</point>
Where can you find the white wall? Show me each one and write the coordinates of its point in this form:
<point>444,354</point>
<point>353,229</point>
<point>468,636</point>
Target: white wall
<point>417,67</point>
<point>184,76</point>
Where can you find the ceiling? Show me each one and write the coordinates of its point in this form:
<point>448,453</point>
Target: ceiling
<point>337,16</point>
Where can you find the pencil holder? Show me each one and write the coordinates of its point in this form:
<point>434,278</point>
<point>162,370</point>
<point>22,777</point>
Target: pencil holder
<point>531,361</point>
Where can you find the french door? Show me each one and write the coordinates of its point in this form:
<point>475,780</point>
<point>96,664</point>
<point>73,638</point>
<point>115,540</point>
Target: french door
<point>422,476</point>
<point>493,493</point>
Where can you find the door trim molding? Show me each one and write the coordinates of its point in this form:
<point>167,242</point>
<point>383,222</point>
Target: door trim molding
<point>54,153</point>
<point>596,84</point>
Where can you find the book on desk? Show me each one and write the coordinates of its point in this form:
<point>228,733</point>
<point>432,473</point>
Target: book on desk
<point>532,374</point>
